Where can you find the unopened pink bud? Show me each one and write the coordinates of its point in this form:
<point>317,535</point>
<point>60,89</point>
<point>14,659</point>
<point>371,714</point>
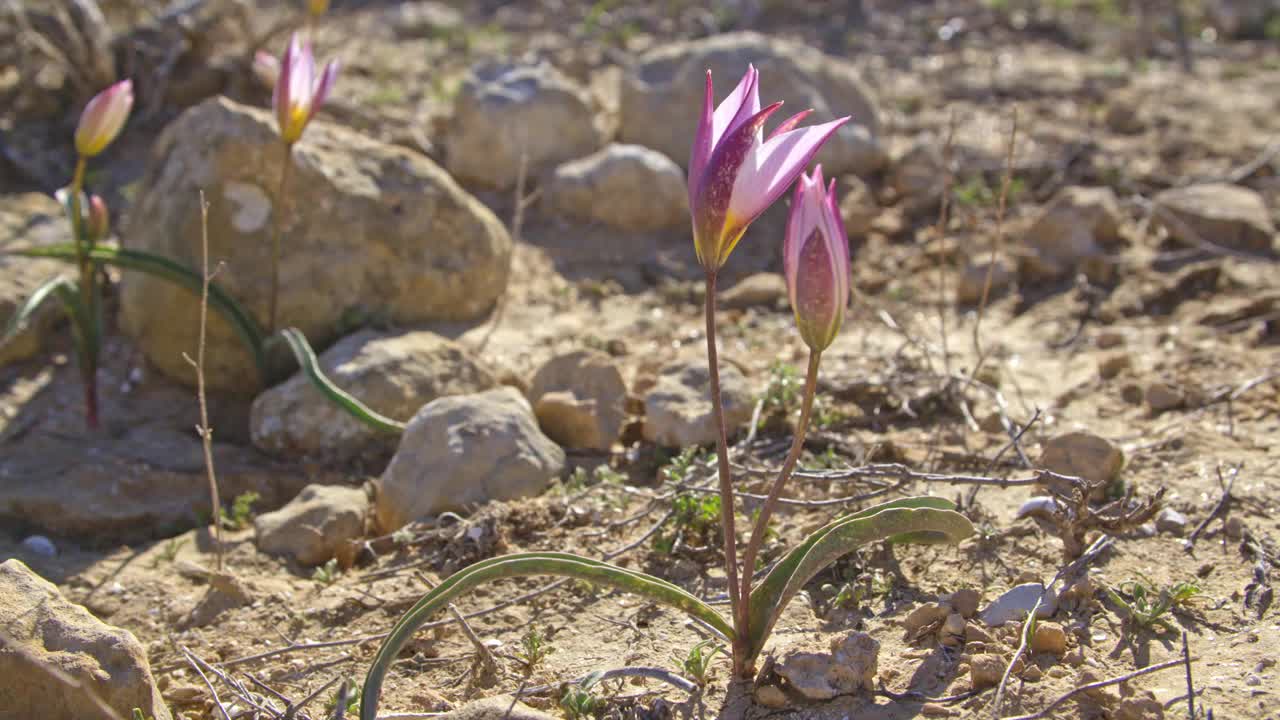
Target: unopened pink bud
<point>103,118</point>
<point>99,219</point>
<point>815,257</point>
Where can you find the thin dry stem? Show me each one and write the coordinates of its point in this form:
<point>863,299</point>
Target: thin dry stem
<point>788,465</point>
<point>944,211</point>
<point>283,200</point>
<point>522,203</point>
<point>997,242</point>
<point>726,482</point>
<point>206,432</point>
<point>1048,709</point>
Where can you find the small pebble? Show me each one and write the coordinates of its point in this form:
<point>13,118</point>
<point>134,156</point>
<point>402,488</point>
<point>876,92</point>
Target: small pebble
<point>1252,680</point>
<point>40,545</point>
<point>934,710</point>
<point>1234,528</point>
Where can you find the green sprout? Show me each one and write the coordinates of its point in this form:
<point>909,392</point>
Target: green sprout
<point>535,646</point>
<point>328,573</point>
<point>578,701</point>
<point>1147,606</point>
<point>169,552</point>
<point>352,704</point>
<point>241,511</point>
<point>697,664</point>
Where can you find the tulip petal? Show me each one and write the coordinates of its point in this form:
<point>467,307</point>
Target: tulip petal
<point>790,123</point>
<point>840,240</point>
<point>325,84</point>
<point>772,166</point>
<point>738,107</point>
<point>703,141</point>
<point>714,235</point>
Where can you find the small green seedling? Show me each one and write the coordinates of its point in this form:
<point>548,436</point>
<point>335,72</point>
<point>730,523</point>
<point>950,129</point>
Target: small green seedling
<point>1147,606</point>
<point>535,646</point>
<point>327,574</point>
<point>785,385</point>
<point>241,511</point>
<point>697,664</point>
<point>578,702</point>
<point>352,704</point>
<point>169,552</point>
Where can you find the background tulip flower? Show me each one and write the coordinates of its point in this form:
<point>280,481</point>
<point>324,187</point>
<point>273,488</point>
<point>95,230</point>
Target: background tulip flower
<point>735,172</point>
<point>298,92</point>
<point>266,67</point>
<point>815,257</point>
<point>103,118</point>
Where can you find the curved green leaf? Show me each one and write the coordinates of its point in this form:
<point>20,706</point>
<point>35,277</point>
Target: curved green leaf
<point>923,519</point>
<point>22,314</point>
<point>164,268</point>
<point>83,331</point>
<point>523,564</point>
<point>307,360</point>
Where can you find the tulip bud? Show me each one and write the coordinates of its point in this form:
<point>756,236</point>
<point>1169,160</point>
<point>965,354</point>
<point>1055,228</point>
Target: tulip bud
<point>735,172</point>
<point>99,219</point>
<point>266,67</point>
<point>298,93</point>
<point>815,257</point>
<point>103,118</point>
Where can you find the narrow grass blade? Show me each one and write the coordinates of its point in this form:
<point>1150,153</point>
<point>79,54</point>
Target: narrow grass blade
<point>23,313</point>
<point>164,268</point>
<point>519,565</point>
<point>924,519</point>
<point>311,367</point>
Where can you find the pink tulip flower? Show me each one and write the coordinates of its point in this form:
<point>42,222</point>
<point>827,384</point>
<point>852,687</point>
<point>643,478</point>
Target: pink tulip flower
<point>815,257</point>
<point>735,172</point>
<point>298,92</point>
<point>103,118</point>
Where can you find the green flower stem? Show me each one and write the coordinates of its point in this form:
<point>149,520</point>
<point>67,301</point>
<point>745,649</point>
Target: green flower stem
<point>88,295</point>
<point>726,486</point>
<point>788,466</point>
<point>282,202</point>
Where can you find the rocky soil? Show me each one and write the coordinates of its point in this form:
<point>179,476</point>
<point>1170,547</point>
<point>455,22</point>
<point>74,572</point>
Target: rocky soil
<point>1065,257</point>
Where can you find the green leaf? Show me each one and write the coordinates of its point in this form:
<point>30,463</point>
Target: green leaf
<point>307,360</point>
<point>923,519</point>
<point>23,313</point>
<point>83,330</point>
<point>523,564</point>
<point>164,268</point>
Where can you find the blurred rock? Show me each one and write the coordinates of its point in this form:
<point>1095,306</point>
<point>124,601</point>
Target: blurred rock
<point>858,207</point>
<point>422,19</point>
<point>1016,602</point>
<point>1084,455</point>
<point>678,411</point>
<point>505,112</point>
<point>766,290</point>
<point>1139,708</point>
<point>48,631</point>
<point>29,219</point>
<point>462,450</point>
<point>919,177</point>
<point>1162,397</point>
<point>973,279</point>
<point>628,187</point>
<point>578,398</point>
<point>849,667</point>
<point>1125,116</point>
<point>315,526</point>
<point>1077,226</point>
<point>1229,216</point>
<point>370,229</point>
<point>40,546</point>
<point>1112,365</point>
<point>924,618</point>
<point>662,95</point>
<point>1049,638</point>
<point>1171,521</point>
<point>965,601</point>
<point>393,374</point>
<point>985,670</point>
<point>1241,18</point>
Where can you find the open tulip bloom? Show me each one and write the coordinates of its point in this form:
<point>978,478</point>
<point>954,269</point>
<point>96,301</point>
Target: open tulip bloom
<point>734,175</point>
<point>299,93</point>
<point>735,172</point>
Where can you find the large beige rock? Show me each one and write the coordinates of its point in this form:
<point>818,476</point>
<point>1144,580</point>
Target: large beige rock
<point>463,450</point>
<point>1077,225</point>
<point>314,526</point>
<point>678,412</point>
<point>624,186</point>
<point>50,634</point>
<point>393,374</point>
<point>578,398</point>
<point>849,667</point>
<point>29,219</point>
<point>504,113</point>
<point>662,95</point>
<point>372,229</point>
<point>1229,216</point>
